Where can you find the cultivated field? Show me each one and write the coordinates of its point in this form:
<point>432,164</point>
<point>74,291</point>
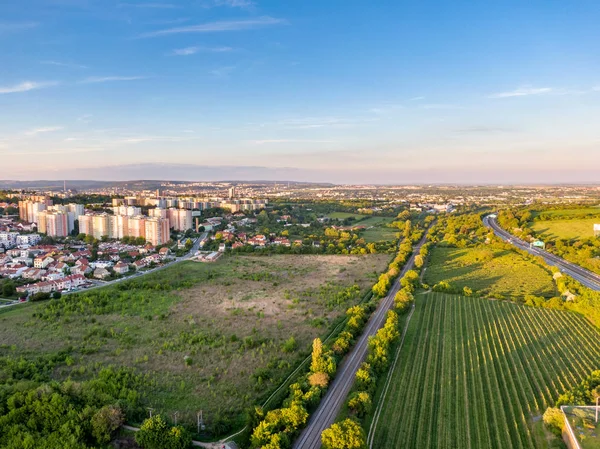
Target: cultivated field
<point>566,229</point>
<point>217,337</point>
<point>475,373</point>
<point>489,272</point>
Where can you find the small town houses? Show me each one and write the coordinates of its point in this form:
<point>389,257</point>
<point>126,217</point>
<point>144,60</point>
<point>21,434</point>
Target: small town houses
<point>66,283</point>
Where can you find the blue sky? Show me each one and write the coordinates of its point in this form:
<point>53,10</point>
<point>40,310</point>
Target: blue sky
<point>342,91</point>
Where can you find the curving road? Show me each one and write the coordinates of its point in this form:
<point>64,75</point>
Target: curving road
<point>586,277</point>
<point>332,402</point>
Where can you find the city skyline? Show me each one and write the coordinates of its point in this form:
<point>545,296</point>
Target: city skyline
<point>242,90</point>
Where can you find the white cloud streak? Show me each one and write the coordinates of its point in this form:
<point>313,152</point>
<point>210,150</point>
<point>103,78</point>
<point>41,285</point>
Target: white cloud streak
<point>65,64</point>
<point>107,79</point>
<point>523,92</point>
<point>6,27</point>
<point>47,129</point>
<point>26,86</point>
<point>148,5</point>
<point>235,3</point>
<point>219,26</point>
<point>193,50</point>
<point>269,141</point>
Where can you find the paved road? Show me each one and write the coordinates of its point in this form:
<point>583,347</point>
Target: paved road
<point>331,404</point>
<point>587,278</point>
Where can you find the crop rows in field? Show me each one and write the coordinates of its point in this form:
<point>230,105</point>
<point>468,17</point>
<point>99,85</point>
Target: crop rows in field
<point>474,373</point>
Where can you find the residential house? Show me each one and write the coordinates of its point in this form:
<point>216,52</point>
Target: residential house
<point>101,273</point>
<point>121,268</point>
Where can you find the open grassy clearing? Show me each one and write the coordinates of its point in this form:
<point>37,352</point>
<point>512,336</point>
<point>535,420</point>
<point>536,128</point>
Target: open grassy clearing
<point>378,234</point>
<point>210,336</point>
<point>566,229</point>
<point>476,373</point>
<point>569,212</point>
<point>344,215</point>
<point>489,272</point>
<point>376,221</point>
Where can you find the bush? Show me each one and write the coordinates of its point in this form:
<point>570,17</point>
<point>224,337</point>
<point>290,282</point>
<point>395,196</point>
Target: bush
<point>320,380</point>
<point>344,435</point>
<point>156,434</point>
<point>105,422</point>
<point>290,345</point>
<point>40,296</point>
<point>56,295</point>
<point>554,421</point>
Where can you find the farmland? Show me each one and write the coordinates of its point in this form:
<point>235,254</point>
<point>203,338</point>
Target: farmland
<point>217,337</point>
<point>492,272</point>
<point>579,228</point>
<point>476,373</point>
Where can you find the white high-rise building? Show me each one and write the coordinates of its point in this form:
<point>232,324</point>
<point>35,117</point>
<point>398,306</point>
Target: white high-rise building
<point>157,231</point>
<point>180,219</point>
<point>119,226</point>
<point>101,226</point>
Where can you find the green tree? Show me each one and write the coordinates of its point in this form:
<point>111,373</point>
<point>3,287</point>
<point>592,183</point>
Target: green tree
<point>8,288</point>
<point>554,420</point>
<point>347,434</point>
<point>105,422</point>
<point>155,433</point>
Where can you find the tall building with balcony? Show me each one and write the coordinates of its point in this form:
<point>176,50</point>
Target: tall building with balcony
<point>157,231</point>
<point>136,226</point>
<point>86,224</point>
<point>180,219</point>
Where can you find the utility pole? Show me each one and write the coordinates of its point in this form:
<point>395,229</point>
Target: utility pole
<point>597,403</point>
<point>150,410</point>
<point>175,417</point>
<point>200,421</point>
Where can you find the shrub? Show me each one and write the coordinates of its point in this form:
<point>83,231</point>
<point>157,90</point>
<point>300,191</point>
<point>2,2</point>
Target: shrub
<point>344,435</point>
<point>554,420</point>
<point>156,434</point>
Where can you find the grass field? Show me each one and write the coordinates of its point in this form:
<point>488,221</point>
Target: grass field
<point>375,221</point>
<point>475,373</point>
<point>344,215</point>
<point>210,336</point>
<point>581,212</point>
<point>566,229</point>
<point>489,272</point>
<point>378,233</point>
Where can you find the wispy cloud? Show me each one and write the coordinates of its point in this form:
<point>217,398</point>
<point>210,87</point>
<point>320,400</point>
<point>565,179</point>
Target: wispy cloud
<point>26,86</point>
<point>416,99</point>
<point>47,129</point>
<point>386,109</point>
<point>65,64</point>
<point>6,27</point>
<point>523,92</point>
<point>107,79</point>
<point>219,26</point>
<point>478,129</point>
<point>235,3</point>
<point>440,106</point>
<point>222,72</point>
<point>596,88</point>
<point>193,50</point>
<point>148,5</point>
<point>85,118</point>
<point>269,141</point>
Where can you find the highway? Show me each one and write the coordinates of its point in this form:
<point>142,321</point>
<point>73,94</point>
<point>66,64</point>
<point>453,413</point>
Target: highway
<point>586,277</point>
<point>332,402</point>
